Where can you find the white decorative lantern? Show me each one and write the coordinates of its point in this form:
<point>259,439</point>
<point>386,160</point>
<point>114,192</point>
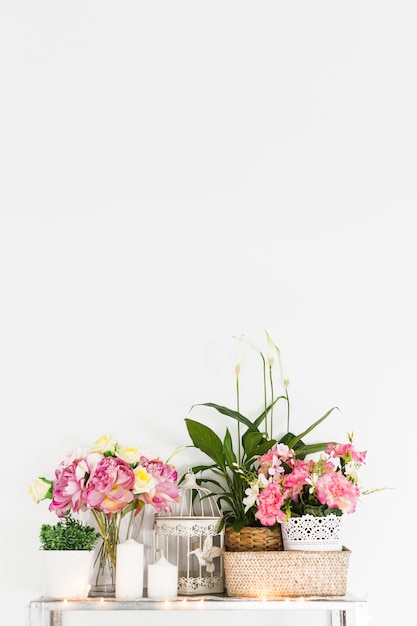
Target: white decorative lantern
<point>189,537</point>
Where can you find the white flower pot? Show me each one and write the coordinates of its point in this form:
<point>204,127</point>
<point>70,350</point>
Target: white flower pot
<point>313,533</point>
<point>66,573</point>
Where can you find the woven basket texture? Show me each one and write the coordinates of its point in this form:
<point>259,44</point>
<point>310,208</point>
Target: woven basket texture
<point>286,573</point>
<point>253,539</point>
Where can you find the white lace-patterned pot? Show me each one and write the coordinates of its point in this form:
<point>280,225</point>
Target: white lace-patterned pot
<point>313,533</point>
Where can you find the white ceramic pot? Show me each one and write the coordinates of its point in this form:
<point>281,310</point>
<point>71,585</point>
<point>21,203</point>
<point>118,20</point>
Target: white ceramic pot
<point>66,573</point>
<point>313,533</point>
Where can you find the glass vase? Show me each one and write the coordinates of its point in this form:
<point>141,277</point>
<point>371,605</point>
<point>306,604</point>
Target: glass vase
<point>114,529</point>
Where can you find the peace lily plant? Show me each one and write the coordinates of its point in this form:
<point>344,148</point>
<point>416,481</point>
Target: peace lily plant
<point>232,475</point>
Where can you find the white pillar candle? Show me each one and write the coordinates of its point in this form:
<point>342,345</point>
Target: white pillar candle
<point>162,580</point>
<point>129,570</point>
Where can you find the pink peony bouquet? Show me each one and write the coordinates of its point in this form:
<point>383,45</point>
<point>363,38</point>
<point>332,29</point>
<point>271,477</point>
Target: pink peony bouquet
<point>108,478</point>
<point>110,481</point>
<point>284,485</point>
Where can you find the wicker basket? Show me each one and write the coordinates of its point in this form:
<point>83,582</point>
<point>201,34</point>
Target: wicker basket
<point>253,539</point>
<point>286,573</point>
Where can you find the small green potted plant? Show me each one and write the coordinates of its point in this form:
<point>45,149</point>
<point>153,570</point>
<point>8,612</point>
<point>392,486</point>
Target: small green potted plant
<point>68,534</point>
<point>67,549</point>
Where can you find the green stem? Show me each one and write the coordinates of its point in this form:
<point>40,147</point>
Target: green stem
<point>265,398</point>
<point>288,410</point>
<point>109,528</point>
<point>239,451</point>
<point>271,381</point>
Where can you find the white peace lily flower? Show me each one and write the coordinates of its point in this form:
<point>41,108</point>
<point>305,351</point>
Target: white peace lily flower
<point>271,350</point>
<point>249,342</point>
<point>284,373</point>
<point>239,357</point>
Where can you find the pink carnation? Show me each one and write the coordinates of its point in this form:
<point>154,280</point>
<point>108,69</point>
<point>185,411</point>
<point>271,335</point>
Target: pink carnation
<point>293,483</point>
<point>337,492</point>
<point>269,508</point>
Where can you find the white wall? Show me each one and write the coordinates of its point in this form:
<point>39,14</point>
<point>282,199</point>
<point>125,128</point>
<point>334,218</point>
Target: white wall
<point>176,173</point>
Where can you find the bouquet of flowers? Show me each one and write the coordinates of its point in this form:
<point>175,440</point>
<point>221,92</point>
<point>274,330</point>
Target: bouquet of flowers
<point>111,481</point>
<point>285,486</point>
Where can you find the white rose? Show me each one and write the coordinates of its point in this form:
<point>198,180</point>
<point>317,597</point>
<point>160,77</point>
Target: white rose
<point>39,488</point>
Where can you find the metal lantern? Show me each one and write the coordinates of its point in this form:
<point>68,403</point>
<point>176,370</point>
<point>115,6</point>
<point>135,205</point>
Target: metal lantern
<point>189,538</point>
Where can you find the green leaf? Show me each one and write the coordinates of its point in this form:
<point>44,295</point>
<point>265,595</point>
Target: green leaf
<point>228,450</point>
<point>229,413</point>
<point>238,525</point>
<point>292,441</point>
<point>255,444</point>
<point>264,446</point>
<point>206,440</point>
<point>258,421</point>
<point>311,448</point>
<point>251,441</point>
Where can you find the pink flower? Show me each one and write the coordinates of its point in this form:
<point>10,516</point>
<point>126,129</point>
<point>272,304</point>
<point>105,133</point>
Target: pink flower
<point>165,490</point>
<point>69,486</point>
<point>293,483</point>
<point>357,456</point>
<point>109,488</point>
<point>346,451</point>
<point>269,508</point>
<point>285,485</point>
<point>109,481</point>
<point>270,465</point>
<point>337,492</point>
